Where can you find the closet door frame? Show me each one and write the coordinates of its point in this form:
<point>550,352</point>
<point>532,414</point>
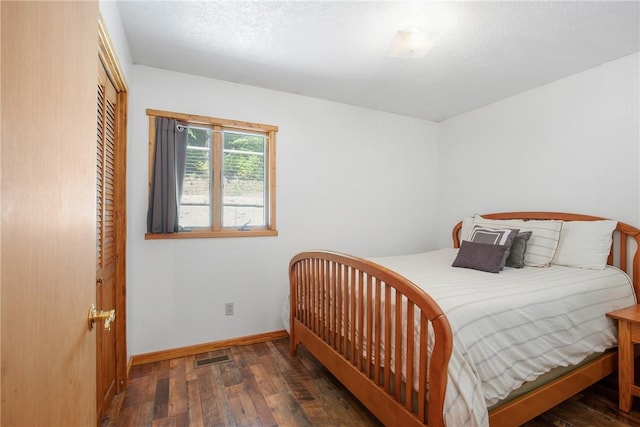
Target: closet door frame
<point>107,55</point>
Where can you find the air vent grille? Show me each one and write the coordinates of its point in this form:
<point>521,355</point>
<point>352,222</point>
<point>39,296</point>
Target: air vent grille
<point>212,361</point>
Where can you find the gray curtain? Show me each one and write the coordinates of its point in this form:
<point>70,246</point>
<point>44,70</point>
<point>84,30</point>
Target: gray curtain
<point>167,176</point>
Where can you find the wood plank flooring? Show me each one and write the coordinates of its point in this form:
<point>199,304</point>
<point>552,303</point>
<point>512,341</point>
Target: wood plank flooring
<point>261,385</point>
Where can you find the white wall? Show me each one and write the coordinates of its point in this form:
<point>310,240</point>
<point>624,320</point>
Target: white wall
<point>348,179</point>
<point>571,146</point>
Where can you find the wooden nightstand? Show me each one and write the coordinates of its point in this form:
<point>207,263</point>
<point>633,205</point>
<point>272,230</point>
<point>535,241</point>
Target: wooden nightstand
<point>628,335</point>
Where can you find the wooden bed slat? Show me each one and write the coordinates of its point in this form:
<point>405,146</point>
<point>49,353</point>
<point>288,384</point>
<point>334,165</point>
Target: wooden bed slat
<point>387,338</point>
<point>318,304</point>
<point>398,347</point>
<point>345,317</point>
<point>623,254</point>
<point>370,360</point>
<point>322,318</point>
<point>409,345</point>
<point>308,291</point>
<point>360,326</point>
<point>352,325</point>
<point>377,356</point>
<point>424,360</point>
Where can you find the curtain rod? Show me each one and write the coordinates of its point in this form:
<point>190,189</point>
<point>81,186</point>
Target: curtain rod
<point>183,127</point>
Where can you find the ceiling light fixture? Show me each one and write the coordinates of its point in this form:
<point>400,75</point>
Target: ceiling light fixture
<point>412,42</point>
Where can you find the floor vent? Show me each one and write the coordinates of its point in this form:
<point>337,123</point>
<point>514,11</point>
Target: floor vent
<point>212,361</point>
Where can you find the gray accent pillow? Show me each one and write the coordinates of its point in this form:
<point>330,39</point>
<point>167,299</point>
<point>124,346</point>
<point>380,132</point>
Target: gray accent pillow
<point>480,256</point>
<point>494,236</point>
<point>518,248</point>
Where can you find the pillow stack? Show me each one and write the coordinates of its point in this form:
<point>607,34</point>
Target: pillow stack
<point>486,249</point>
<point>534,243</point>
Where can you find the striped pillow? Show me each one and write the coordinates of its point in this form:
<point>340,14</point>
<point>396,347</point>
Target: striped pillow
<point>494,236</point>
<point>542,245</point>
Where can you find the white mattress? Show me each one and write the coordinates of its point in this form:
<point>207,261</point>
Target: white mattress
<point>511,327</point>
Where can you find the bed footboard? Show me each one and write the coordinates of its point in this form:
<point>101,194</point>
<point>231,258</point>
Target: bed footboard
<point>351,315</point>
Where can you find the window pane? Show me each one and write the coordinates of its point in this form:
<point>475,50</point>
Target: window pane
<point>195,204</point>
<point>244,191</point>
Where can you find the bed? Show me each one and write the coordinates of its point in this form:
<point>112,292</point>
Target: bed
<point>354,315</point>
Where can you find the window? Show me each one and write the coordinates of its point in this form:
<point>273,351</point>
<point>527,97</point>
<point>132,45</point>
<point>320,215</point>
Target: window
<point>228,188</point>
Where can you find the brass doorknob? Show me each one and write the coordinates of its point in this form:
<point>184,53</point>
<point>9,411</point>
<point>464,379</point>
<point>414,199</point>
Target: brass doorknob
<point>108,317</point>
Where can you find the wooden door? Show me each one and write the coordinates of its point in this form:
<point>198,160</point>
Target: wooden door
<point>48,171</point>
<point>106,236</point>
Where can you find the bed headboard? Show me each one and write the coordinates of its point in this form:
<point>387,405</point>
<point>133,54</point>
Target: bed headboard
<point>624,250</point>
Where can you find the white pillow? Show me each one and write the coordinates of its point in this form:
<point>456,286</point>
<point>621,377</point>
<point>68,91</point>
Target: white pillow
<point>585,244</point>
<point>542,245</point>
<point>467,228</point>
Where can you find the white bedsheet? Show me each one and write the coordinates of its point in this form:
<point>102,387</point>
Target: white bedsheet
<point>511,327</point>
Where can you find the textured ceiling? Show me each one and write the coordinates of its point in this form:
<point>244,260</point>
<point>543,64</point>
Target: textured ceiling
<point>337,50</point>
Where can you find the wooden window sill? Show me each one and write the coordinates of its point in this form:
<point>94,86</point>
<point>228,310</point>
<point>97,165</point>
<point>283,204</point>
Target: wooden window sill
<point>206,234</point>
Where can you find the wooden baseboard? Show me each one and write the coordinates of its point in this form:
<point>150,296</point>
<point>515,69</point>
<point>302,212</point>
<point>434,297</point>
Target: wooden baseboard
<point>173,353</point>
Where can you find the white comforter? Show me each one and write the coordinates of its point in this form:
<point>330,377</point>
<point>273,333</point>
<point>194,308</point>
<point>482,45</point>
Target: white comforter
<point>511,327</point>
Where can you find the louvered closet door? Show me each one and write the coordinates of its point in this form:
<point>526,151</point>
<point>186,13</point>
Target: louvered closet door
<point>105,237</point>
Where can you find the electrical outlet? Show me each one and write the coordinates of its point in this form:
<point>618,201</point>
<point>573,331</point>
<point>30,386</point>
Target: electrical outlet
<point>228,309</point>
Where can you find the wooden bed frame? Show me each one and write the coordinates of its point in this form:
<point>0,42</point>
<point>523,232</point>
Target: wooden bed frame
<point>336,310</point>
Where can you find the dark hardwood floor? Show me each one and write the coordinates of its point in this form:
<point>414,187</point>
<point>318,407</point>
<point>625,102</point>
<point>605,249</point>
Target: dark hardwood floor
<point>261,385</point>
